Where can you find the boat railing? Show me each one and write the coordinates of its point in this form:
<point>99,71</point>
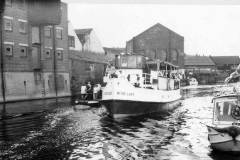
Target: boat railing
<point>149,81</point>
<point>146,79</point>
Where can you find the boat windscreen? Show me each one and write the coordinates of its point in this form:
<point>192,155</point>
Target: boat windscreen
<point>227,111</point>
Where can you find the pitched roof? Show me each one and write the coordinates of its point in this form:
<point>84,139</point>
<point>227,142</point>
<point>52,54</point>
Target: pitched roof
<point>198,61</point>
<point>83,31</point>
<point>159,27</point>
<point>221,60</point>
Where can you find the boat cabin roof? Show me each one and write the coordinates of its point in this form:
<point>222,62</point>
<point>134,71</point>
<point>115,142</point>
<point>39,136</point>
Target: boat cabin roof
<point>232,95</point>
<point>135,61</point>
<point>224,110</point>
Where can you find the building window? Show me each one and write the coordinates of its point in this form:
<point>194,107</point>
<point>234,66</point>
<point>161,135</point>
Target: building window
<point>47,53</point>
<point>174,55</point>
<point>22,26</point>
<point>8,49</point>
<point>8,24</point>
<point>163,55</point>
<point>8,3</point>
<point>59,54</point>
<point>23,51</point>
<point>71,41</point>
<point>21,4</point>
<point>37,77</point>
<point>35,35</point>
<point>91,67</point>
<point>59,33</point>
<point>47,32</point>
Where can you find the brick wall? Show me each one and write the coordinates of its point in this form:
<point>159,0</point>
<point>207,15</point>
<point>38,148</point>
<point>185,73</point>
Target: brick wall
<point>20,76</point>
<point>156,41</point>
<point>16,62</point>
<point>83,71</point>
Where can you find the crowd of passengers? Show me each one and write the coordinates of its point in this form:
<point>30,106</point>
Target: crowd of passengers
<point>138,81</point>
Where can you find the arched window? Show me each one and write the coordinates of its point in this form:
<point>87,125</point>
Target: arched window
<point>163,55</point>
<point>174,55</point>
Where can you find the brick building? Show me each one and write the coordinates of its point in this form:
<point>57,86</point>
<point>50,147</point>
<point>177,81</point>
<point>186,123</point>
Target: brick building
<point>86,65</point>
<point>202,68</point>
<point>158,42</point>
<point>226,63</point>
<point>31,67</point>
<point>111,53</point>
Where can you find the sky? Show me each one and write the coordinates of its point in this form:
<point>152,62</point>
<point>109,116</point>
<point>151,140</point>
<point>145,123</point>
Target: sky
<point>208,29</point>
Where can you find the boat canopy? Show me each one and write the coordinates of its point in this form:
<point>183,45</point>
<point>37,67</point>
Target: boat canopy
<point>135,61</point>
<point>161,65</point>
<point>226,109</point>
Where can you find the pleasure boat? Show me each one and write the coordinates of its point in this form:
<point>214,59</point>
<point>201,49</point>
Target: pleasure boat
<point>193,82</point>
<point>224,133</point>
<point>140,86</point>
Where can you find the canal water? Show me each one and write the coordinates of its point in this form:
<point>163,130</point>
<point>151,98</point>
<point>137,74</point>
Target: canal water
<point>55,129</point>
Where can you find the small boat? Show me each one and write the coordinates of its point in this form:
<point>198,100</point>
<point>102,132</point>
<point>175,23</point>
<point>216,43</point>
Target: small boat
<point>91,103</point>
<point>224,134</point>
<point>81,107</point>
<point>140,87</point>
<point>193,82</point>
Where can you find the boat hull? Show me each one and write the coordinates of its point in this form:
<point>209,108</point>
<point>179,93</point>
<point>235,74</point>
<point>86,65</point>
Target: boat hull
<point>223,141</point>
<point>122,99</point>
<point>125,108</point>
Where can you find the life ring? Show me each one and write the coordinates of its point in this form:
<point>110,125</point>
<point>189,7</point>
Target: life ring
<point>236,112</point>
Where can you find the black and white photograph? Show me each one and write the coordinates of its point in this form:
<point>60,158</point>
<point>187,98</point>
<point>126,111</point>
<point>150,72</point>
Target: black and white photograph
<point>119,80</point>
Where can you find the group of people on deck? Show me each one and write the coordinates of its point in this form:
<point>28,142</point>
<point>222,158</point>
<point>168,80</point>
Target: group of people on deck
<point>90,91</point>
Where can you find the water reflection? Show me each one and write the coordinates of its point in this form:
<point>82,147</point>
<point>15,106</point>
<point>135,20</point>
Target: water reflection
<point>56,130</point>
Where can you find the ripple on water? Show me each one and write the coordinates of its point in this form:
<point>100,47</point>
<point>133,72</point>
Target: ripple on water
<point>67,133</point>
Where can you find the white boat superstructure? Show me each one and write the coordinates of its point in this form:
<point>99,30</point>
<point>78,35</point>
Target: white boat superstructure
<point>193,82</point>
<point>140,90</point>
<point>224,135</point>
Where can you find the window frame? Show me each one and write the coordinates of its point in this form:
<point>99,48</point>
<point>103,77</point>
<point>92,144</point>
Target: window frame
<point>24,30</point>
<point>57,56</point>
<point>46,56</point>
<point>8,19</point>
<point>61,33</point>
<point>22,4</point>
<point>71,41</point>
<point>5,47</point>
<point>26,50</point>
<point>8,3</point>
<point>48,28</point>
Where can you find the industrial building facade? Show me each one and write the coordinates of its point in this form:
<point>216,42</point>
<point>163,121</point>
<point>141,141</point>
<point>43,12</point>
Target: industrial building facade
<point>35,62</point>
<point>158,42</point>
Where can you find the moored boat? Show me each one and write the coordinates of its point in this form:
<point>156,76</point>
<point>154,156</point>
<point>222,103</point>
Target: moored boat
<point>141,88</point>
<point>224,134</point>
<point>193,82</point>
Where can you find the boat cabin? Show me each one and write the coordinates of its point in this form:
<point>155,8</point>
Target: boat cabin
<point>226,110</point>
<point>143,72</point>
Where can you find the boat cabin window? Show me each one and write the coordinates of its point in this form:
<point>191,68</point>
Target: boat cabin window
<point>131,62</point>
<point>225,111</point>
